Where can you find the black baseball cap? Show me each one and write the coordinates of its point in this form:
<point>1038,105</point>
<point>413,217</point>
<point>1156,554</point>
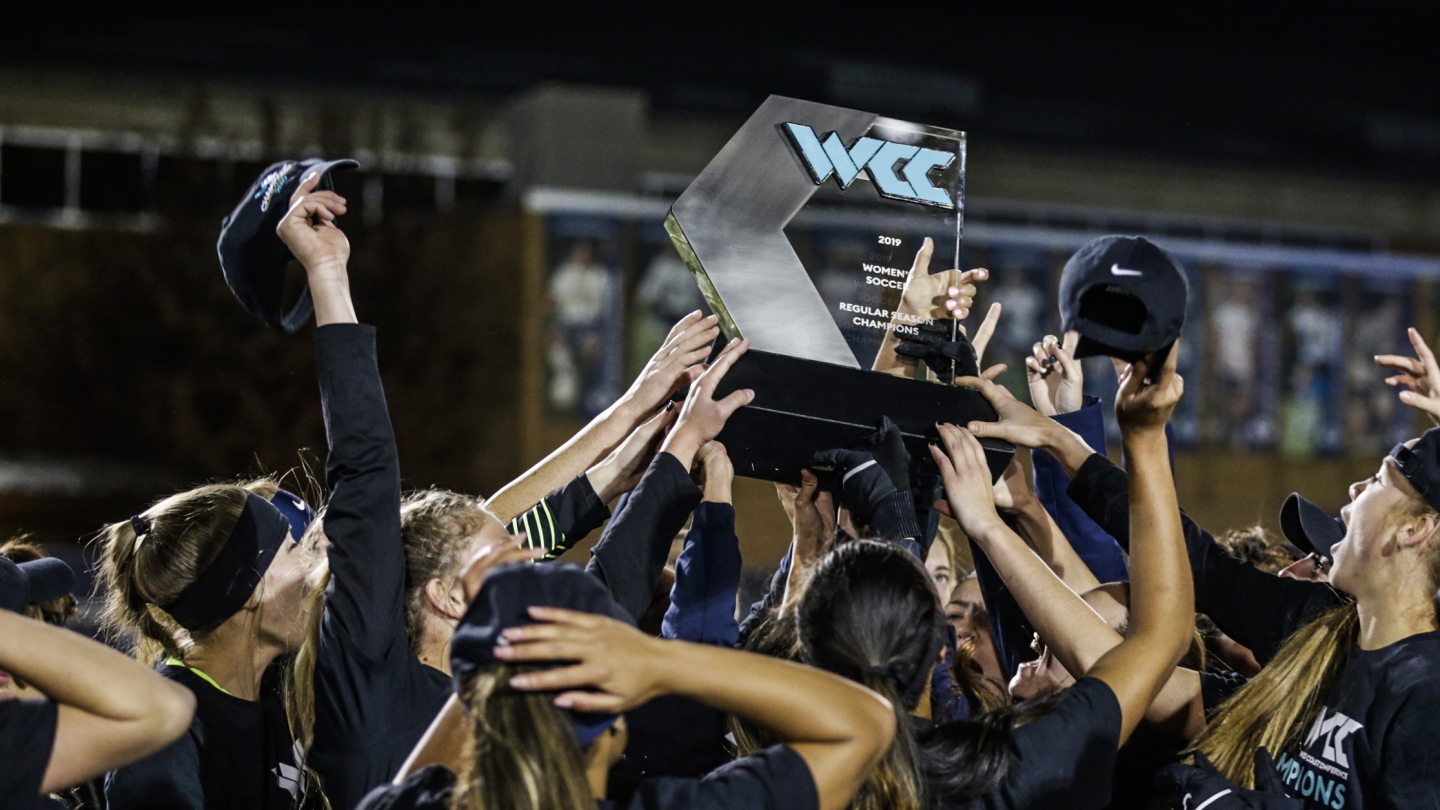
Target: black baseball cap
<point>1309,527</point>
<point>1421,465</point>
<point>30,583</point>
<point>1126,297</point>
<point>252,256</point>
<point>504,601</point>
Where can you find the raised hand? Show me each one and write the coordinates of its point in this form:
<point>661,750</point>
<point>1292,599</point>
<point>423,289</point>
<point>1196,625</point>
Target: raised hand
<point>609,656</point>
<point>620,472</point>
<point>714,472</point>
<point>1019,423</point>
<point>983,335</point>
<point>966,476</point>
<point>1142,407</point>
<point>1420,374</point>
<point>308,228</point>
<point>1056,380</point>
<point>947,294</point>
<point>675,364</point>
<point>702,417</point>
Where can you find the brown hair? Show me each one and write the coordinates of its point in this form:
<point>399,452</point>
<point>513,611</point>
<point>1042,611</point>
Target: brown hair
<point>435,528</point>
<point>18,549</point>
<point>1275,708</point>
<point>521,753</point>
<point>1256,546</point>
<point>139,573</point>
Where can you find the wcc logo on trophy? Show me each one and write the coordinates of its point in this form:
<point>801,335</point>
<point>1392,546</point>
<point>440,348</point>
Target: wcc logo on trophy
<point>878,159</point>
<point>823,332</point>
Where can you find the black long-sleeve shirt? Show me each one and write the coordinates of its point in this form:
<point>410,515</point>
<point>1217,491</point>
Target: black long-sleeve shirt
<point>1257,609</point>
<point>631,554</point>
<point>373,697</point>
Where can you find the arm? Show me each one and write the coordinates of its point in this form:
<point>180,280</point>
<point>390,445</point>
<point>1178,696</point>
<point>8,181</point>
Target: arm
<point>1255,608</point>
<point>363,601</point>
<point>1070,628</point>
<point>631,554</point>
<point>707,574</point>
<point>673,367</point>
<point>112,710</point>
<point>1101,553</point>
<point>572,512</point>
<point>839,728</point>
<point>1035,523</point>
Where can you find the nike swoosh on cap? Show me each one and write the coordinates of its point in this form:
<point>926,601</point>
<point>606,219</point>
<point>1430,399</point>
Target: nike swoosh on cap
<point>1117,270</point>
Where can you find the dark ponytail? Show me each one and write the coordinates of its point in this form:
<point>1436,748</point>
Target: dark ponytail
<point>870,614</point>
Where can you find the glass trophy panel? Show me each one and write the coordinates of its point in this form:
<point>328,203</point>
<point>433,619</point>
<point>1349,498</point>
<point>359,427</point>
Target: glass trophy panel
<point>802,232</point>
<point>859,243</point>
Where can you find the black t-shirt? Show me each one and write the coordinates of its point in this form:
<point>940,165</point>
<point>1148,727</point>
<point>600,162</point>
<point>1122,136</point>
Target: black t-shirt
<point>27,736</point>
<point>1217,687</point>
<point>1066,758</point>
<point>237,754</point>
<point>373,697</point>
<point>1374,744</point>
<point>775,779</point>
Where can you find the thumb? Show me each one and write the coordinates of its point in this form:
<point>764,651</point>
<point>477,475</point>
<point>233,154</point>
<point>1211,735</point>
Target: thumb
<point>732,403</point>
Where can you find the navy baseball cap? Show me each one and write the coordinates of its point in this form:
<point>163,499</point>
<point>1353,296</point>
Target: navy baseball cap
<point>252,256</point>
<point>1125,295</point>
<point>1309,527</point>
<point>29,583</point>
<point>504,601</point>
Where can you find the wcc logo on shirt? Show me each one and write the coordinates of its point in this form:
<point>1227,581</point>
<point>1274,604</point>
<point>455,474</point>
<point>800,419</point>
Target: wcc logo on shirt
<point>1318,772</point>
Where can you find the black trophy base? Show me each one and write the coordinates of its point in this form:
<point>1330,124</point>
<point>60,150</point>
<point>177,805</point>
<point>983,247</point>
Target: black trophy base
<point>804,406</point>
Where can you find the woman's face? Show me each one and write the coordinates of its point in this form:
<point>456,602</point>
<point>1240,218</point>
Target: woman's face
<point>937,563</point>
<point>1368,526</point>
<point>966,613</point>
<point>283,589</point>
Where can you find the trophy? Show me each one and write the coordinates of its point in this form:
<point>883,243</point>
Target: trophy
<point>823,366</point>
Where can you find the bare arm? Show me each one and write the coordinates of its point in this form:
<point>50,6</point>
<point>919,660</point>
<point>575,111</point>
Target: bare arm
<point>113,710</point>
<point>813,519</point>
<point>1162,596</point>
<point>1070,628</point>
<point>1014,494</point>
<point>839,728</point>
<point>673,367</point>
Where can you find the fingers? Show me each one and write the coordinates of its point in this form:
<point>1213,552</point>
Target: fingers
<point>921,267</point>
<point>1415,399</point>
<point>593,702</point>
<point>552,680</point>
<point>996,395</point>
<point>986,331</point>
<point>307,185</point>
<point>699,333</point>
<point>947,470</point>
<point>1402,379</point>
<point>943,507</point>
<point>994,371</point>
<point>1422,350</point>
<point>681,326</point>
<point>1072,342</point>
<point>732,403</point>
<point>722,364</point>
<point>1406,364</point>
